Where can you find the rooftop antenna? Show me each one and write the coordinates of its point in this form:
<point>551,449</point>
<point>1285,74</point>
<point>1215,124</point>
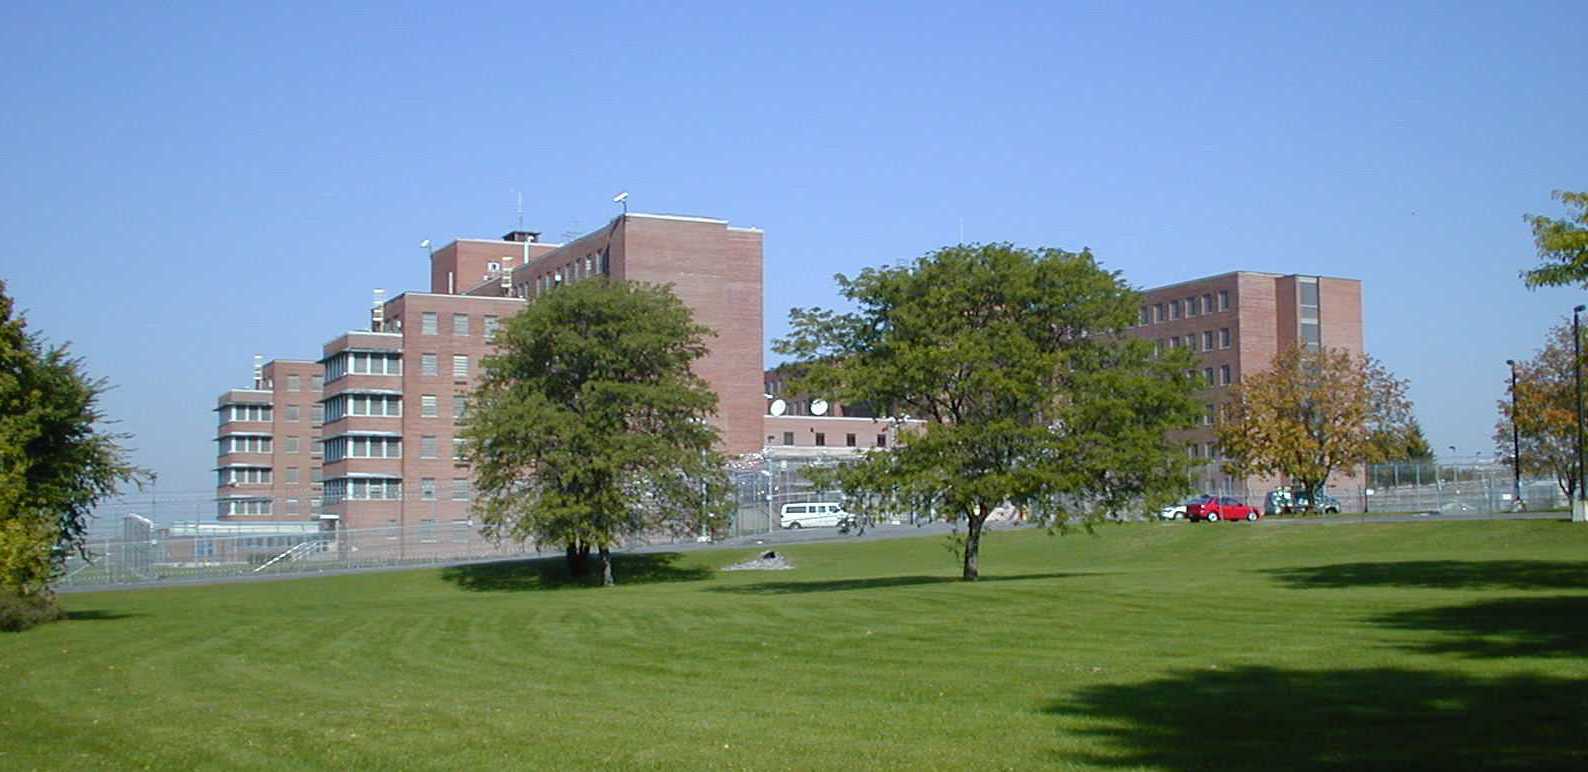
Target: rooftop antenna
<point>622,198</point>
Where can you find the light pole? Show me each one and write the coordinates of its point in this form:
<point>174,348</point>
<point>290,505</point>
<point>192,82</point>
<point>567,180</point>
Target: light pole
<point>1578,507</point>
<point>1516,444</point>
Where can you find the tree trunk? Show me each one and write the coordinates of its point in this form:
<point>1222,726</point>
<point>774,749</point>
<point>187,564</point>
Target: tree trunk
<point>606,567</point>
<point>578,558</point>
<point>973,543</point>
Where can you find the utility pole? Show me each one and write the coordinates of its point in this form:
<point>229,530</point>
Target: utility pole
<point>1516,445</point>
<point>1579,507</point>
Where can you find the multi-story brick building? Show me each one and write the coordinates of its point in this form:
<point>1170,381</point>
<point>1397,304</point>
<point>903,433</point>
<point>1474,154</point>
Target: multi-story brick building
<point>393,399</point>
<point>393,394</point>
<point>1236,323</point>
<point>267,459</point>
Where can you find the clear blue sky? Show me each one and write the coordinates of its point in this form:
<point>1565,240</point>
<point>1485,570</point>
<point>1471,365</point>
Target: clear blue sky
<point>172,176</point>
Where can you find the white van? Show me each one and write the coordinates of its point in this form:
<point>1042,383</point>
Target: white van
<point>814,514</point>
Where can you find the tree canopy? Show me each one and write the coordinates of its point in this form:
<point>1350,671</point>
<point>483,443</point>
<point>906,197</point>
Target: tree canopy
<point>1032,389</point>
<point>1312,413</point>
<point>57,460</point>
<point>1546,413</point>
<point>589,425</point>
<point>1562,244</point>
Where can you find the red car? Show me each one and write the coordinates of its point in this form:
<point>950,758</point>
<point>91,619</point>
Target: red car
<point>1221,508</point>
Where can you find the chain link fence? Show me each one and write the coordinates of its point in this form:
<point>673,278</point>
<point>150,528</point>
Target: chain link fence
<point>1431,486</point>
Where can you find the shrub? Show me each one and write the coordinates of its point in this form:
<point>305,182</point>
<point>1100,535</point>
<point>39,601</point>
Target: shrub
<point>19,612</point>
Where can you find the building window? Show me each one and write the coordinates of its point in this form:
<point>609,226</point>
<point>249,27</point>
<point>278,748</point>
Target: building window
<point>1311,333</point>
<point>1207,303</point>
<point>1224,337</point>
<point>1224,375</point>
<point>363,446</point>
<point>427,365</point>
<point>291,445</point>
<point>1145,318</point>
<point>1207,341</point>
<point>294,382</point>
<point>244,475</point>
<point>1175,309</point>
<point>1207,376</point>
<point>882,440</point>
<point>317,414</point>
<point>1191,342</point>
<point>317,448</point>
<point>378,405</point>
<point>428,406</point>
<point>292,412</point>
<point>428,446</point>
<point>788,438</point>
<point>849,440</point>
<point>460,489</point>
<point>427,488</point>
<point>458,446</point>
<point>316,475</point>
<point>460,406</point>
<point>1159,314</point>
<point>460,325</point>
<point>821,440</point>
<point>292,506</point>
<point>259,413</point>
<point>363,363</point>
<point>1209,415</point>
<point>243,443</point>
<point>1194,306</point>
<point>1224,300</point>
<point>490,327</point>
<point>292,474</point>
<point>317,382</point>
<point>364,489</point>
<point>427,323</point>
<point>460,365</point>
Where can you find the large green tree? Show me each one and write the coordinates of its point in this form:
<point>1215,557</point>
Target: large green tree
<point>1562,244</point>
<point>590,426</point>
<point>1314,412</point>
<point>1032,390</point>
<point>57,461</point>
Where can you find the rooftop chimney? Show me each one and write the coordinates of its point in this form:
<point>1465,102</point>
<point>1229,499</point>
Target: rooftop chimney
<point>377,312</point>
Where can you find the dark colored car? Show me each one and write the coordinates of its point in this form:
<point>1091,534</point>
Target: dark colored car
<point>1221,508</point>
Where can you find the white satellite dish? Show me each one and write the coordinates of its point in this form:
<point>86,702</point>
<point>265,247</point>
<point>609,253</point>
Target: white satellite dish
<point>818,407</point>
<point>779,407</point>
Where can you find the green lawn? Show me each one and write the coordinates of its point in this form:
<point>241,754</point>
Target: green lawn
<point>1169,646</point>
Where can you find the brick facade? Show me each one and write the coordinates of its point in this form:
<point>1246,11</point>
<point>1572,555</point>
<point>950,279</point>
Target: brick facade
<point>1253,317</point>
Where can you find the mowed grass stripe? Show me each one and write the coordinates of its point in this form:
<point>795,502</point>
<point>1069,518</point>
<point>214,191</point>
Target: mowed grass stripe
<point>1121,648</point>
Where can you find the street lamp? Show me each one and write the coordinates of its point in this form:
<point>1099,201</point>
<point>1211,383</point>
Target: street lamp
<point>1516,444</point>
<point>1576,373</point>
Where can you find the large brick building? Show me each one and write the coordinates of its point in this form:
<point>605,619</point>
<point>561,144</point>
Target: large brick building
<point>392,396</point>
<point>1236,323</point>
<point>267,459</point>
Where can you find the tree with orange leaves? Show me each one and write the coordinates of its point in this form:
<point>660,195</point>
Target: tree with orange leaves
<point>1546,412</point>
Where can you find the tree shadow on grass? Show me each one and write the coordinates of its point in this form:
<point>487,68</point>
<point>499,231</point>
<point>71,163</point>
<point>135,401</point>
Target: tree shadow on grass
<point>1384,718</point>
<point>1441,574</point>
<point>1510,627</point>
<point>872,583</point>
<point>552,573</point>
<point>95,614</point>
